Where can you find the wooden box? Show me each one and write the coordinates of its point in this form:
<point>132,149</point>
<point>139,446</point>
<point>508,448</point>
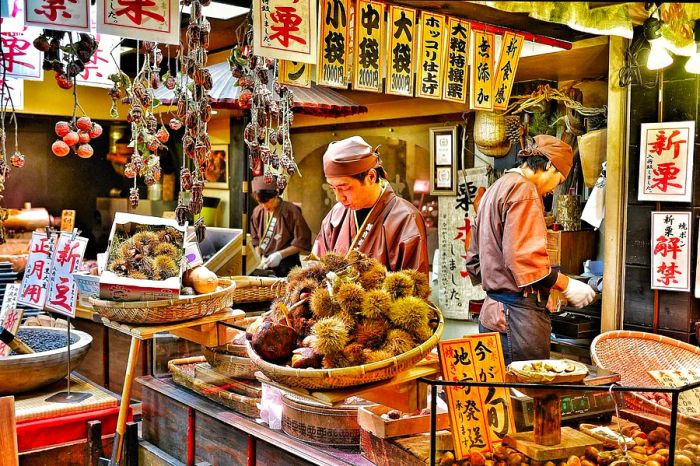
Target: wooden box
<point>370,419</point>
<point>569,249</point>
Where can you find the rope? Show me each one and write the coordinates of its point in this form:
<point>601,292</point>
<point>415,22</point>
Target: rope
<point>546,93</point>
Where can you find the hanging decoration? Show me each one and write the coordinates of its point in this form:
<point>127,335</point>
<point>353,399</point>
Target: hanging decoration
<point>457,63</point>
<point>482,71</point>
<point>511,47</point>
<point>285,29</point>
<point>432,50</point>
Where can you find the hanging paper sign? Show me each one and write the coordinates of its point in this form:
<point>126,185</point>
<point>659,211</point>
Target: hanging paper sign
<point>285,29</point>
<point>670,250</point>
<point>295,73</point>
<point>12,94</point>
<point>666,161</point>
<point>333,64</point>
<point>67,258</point>
<point>455,219</point>
<point>511,46</point>
<point>140,19</point>
<point>35,283</point>
<point>12,18</point>
<point>467,415</point>
<point>482,71</point>
<point>66,15</point>
<point>402,32</point>
<point>21,58</point>
<point>9,314</point>
<point>369,46</point>
<point>456,61</point>
<point>432,50</point>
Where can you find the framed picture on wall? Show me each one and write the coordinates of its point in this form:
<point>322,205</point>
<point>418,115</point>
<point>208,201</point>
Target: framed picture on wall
<point>216,171</point>
<point>443,161</point>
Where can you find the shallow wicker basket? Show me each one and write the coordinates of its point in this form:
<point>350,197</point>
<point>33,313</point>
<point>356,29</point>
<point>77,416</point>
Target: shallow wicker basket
<point>257,289</point>
<point>230,361</point>
<point>632,354</point>
<point>167,310</point>
<point>347,376</point>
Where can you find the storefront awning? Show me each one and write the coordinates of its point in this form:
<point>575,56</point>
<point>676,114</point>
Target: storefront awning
<point>317,101</point>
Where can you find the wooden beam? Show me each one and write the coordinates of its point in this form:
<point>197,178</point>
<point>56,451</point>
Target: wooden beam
<point>8,433</point>
<point>615,192</point>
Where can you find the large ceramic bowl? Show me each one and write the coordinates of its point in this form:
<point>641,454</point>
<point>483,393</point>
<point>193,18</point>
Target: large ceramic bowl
<point>26,372</point>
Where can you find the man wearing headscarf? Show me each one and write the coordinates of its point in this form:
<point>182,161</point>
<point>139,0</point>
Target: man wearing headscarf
<point>278,229</point>
<point>369,216</point>
<point>508,252</point>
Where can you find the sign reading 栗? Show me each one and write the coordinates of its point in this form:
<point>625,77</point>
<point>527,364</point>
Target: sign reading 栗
<point>369,54</point>
<point>402,35</point>
<point>285,29</point>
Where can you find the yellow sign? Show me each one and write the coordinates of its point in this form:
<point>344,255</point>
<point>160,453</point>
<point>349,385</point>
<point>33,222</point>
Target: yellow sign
<point>482,71</point>
<point>332,66</point>
<point>480,416</point>
<point>456,61</point>
<point>369,58</point>
<point>67,220</point>
<point>511,46</point>
<point>402,30</point>
<point>432,50</point>
<point>295,73</point>
<point>689,400</point>
<point>285,29</point>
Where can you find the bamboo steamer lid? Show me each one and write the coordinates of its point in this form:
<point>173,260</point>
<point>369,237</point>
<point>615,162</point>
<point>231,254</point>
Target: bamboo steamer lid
<point>490,134</point>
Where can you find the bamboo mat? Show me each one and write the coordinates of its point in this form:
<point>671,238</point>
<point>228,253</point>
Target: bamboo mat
<point>33,407</point>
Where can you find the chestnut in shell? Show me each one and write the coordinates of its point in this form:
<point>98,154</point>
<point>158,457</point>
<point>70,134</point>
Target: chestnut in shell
<point>275,342</point>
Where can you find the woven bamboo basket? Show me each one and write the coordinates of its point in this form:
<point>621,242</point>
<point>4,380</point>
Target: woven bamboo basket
<point>183,373</point>
<point>490,134</point>
<point>258,289</point>
<point>632,354</point>
<point>230,361</point>
<point>347,376</point>
<point>167,310</point>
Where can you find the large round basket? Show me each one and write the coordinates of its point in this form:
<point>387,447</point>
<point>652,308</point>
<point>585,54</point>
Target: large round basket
<point>632,354</point>
<point>490,134</point>
<point>258,289</point>
<point>167,310</point>
<point>231,361</point>
<point>347,376</point>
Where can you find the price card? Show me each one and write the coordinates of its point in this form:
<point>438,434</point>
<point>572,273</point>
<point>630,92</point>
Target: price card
<point>688,401</point>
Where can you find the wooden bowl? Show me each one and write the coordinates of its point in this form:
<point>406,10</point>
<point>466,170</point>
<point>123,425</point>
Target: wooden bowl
<point>26,372</point>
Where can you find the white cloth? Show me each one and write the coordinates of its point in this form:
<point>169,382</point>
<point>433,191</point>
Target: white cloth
<point>594,211</point>
<point>271,406</point>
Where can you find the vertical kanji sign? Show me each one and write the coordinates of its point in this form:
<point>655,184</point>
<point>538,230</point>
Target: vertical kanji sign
<point>66,15</point>
<point>10,316</point>
<point>295,73</point>
<point>402,40</point>
<point>511,46</point>
<point>467,415</point>
<point>432,50</point>
<point>66,260</point>
<point>333,66</point>
<point>285,29</point>
<point>35,283</point>
<point>482,71</point>
<point>154,20</point>
<point>456,61</point>
<point>670,250</point>
<point>12,93</point>
<point>666,161</point>
<point>369,57</point>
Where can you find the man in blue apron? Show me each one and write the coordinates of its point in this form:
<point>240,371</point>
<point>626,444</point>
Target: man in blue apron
<point>278,229</point>
<point>508,252</point>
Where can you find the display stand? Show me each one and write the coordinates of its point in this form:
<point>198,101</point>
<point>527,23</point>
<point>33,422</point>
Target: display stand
<point>205,331</point>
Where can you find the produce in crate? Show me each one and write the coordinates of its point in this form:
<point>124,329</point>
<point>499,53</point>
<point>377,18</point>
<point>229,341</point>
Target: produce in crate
<point>345,311</point>
<point>152,253</point>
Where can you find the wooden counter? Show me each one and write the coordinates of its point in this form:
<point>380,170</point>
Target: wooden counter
<point>221,436</point>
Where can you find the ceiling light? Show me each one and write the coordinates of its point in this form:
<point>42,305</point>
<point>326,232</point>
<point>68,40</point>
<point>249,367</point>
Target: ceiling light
<point>658,55</point>
<point>220,10</point>
<point>693,63</point>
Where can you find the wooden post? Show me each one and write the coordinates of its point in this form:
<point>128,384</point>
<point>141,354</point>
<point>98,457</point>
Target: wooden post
<point>547,419</point>
<point>124,403</point>
<point>9,456</point>
<point>131,442</point>
<point>94,443</point>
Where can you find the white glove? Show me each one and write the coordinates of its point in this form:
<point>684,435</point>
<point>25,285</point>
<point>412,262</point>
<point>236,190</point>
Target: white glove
<point>579,294</point>
<point>273,260</point>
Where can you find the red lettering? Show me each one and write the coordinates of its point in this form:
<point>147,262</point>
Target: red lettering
<point>286,22</point>
<point>62,294</point>
<point>135,10</point>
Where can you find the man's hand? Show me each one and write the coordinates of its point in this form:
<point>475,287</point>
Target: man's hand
<point>579,294</point>
<point>272,261</point>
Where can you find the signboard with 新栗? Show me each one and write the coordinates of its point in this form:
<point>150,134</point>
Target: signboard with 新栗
<point>432,49</point>
<point>670,250</point>
<point>62,291</point>
<point>456,61</point>
<point>666,161</point>
<point>333,64</point>
<point>402,34</point>
<point>285,29</point>
<point>482,71</point>
<point>511,46</point>
<point>369,58</point>
<point>295,73</point>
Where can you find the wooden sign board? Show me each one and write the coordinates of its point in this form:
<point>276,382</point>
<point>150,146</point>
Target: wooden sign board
<point>368,54</point>
<point>511,46</point>
<point>482,71</point>
<point>332,69</point>
<point>402,42</point>
<point>67,220</point>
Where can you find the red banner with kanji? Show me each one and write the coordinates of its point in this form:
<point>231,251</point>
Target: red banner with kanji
<point>285,29</point>
<point>671,236</point>
<point>154,20</point>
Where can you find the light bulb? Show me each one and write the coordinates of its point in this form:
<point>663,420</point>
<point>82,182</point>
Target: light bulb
<point>658,57</point>
<point>693,64</point>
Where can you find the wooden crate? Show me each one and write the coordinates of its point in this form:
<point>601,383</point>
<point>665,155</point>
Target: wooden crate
<point>569,249</point>
<point>370,419</point>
